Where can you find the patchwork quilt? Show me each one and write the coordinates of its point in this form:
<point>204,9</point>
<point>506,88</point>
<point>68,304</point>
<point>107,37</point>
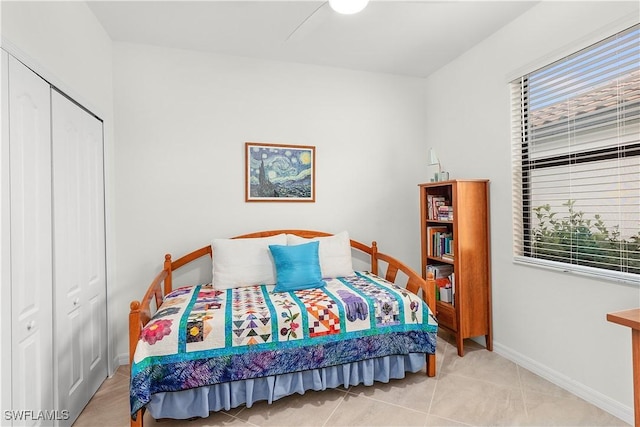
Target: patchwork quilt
<point>202,336</point>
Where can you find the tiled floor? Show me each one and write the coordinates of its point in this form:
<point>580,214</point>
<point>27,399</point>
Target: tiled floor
<point>481,388</point>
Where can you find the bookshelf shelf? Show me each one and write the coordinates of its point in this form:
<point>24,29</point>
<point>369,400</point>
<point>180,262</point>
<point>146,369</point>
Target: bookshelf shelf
<point>454,223</point>
<point>442,260</point>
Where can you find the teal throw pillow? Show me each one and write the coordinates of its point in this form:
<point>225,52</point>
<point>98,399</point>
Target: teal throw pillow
<point>297,267</point>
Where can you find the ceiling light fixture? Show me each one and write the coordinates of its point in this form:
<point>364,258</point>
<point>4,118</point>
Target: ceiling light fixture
<point>348,7</point>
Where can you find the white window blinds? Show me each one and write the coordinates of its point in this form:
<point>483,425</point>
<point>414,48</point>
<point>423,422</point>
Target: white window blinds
<point>576,161</point>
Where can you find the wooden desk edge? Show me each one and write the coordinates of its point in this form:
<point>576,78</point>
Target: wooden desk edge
<point>630,318</point>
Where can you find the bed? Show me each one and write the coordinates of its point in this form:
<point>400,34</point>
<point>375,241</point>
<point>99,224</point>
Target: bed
<point>285,313</point>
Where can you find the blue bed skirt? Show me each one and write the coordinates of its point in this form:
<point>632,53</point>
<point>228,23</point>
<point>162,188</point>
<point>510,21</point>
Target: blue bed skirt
<point>199,402</point>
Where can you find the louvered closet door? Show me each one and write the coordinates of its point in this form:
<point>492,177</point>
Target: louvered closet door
<point>79,253</point>
<point>30,235</point>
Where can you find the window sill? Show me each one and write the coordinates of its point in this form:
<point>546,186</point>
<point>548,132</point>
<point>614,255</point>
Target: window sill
<point>594,273</point>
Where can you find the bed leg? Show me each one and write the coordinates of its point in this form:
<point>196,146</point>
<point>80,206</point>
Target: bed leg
<point>138,420</point>
<point>431,365</point>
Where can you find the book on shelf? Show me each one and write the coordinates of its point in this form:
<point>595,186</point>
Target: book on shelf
<point>445,244</point>
<point>440,241</point>
<point>433,238</point>
<point>445,281</point>
<point>445,213</point>
<point>440,270</point>
<point>434,203</point>
<point>448,255</point>
<point>452,277</point>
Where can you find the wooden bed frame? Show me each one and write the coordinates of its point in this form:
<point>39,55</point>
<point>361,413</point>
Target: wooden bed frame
<point>140,312</point>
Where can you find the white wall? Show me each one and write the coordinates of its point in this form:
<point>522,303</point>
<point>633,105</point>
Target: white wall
<point>550,322</point>
<point>182,119</point>
<point>66,45</point>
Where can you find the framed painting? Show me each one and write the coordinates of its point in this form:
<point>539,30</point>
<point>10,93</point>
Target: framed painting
<point>279,173</point>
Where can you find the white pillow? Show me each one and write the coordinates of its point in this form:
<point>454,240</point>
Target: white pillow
<point>244,262</point>
<point>334,253</point>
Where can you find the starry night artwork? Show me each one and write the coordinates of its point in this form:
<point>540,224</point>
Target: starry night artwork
<point>279,173</point>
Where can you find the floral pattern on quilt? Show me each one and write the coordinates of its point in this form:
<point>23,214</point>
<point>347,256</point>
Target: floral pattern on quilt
<point>202,336</point>
<point>289,331</point>
<point>156,330</point>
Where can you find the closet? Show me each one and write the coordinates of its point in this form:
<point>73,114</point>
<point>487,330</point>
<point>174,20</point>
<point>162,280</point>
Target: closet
<point>53,266</point>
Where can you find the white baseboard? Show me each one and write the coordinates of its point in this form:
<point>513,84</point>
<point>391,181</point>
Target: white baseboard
<point>615,408</point>
<point>121,359</point>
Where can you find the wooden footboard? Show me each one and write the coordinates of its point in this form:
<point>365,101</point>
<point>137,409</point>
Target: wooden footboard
<point>414,284</point>
<point>142,311</point>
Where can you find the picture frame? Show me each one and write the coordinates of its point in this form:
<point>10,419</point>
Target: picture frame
<point>279,172</point>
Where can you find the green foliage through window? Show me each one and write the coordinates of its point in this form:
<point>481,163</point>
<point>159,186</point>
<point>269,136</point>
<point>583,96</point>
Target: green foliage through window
<point>575,239</point>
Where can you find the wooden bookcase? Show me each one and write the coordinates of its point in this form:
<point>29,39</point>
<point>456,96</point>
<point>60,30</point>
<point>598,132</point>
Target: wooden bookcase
<point>467,225</point>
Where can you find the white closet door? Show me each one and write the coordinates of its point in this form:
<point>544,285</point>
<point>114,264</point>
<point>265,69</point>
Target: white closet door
<point>79,253</point>
<point>30,235</point>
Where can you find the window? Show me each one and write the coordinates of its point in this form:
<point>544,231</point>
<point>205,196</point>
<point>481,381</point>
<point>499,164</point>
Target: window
<point>576,161</point>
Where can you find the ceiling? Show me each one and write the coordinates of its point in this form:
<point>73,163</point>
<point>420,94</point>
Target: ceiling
<point>412,38</point>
